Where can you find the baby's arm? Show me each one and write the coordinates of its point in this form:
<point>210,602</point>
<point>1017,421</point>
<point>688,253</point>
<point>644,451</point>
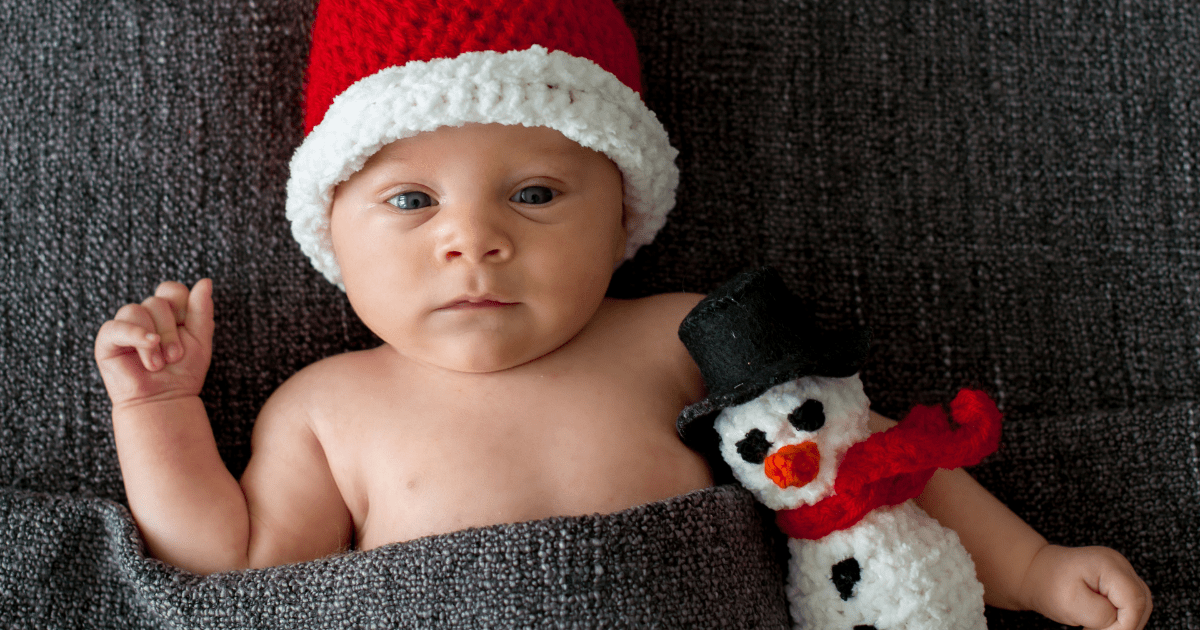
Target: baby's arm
<point>1095,587</point>
<point>192,513</point>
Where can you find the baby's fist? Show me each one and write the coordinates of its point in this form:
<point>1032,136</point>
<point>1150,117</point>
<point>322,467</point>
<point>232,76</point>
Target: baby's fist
<point>1093,587</point>
<point>160,347</point>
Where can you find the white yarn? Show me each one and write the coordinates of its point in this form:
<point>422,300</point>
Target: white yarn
<point>915,574</point>
<point>845,407</point>
<point>533,87</point>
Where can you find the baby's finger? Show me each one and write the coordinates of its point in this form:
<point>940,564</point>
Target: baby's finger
<point>116,337</point>
<point>1133,602</point>
<point>177,294</point>
<point>140,317</point>
<point>1093,610</point>
<point>200,312</point>
<point>1149,608</point>
<point>166,324</point>
<point>135,314</point>
<point>1114,578</point>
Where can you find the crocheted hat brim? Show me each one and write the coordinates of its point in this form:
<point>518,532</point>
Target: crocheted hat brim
<point>532,87</point>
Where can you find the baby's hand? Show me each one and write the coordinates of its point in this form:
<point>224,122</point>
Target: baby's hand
<point>1093,587</point>
<point>159,349</point>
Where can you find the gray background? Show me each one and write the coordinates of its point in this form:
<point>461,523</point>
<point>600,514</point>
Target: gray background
<point>1005,192</point>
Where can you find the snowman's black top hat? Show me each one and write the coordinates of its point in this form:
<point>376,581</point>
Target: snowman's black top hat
<point>751,335</point>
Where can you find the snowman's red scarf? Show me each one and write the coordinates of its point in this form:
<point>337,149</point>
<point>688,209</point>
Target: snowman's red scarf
<point>893,466</point>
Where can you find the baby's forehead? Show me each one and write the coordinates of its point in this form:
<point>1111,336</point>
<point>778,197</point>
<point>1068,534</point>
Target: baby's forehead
<point>522,140</point>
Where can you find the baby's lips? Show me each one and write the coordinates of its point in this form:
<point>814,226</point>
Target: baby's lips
<point>794,465</point>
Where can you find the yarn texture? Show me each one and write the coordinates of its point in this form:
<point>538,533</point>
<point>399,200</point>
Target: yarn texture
<point>700,560</point>
<point>1006,193</point>
<point>913,575</point>
<point>804,448</point>
<point>353,39</point>
<point>893,466</point>
<point>862,554</point>
<point>386,70</point>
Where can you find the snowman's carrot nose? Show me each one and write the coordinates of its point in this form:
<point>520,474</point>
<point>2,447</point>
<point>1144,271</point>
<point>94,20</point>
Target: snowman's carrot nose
<point>794,465</point>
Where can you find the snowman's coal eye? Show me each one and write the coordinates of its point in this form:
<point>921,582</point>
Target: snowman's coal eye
<point>753,448</point>
<point>808,417</point>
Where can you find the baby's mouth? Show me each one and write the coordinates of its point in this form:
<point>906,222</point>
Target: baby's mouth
<point>480,302</point>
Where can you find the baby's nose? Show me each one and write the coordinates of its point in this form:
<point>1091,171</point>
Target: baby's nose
<point>475,234</point>
<point>794,465</point>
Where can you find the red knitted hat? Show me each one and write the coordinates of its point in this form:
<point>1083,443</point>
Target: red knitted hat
<point>383,70</point>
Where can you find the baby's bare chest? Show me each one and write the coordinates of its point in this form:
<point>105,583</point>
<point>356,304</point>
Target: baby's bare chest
<point>476,452</point>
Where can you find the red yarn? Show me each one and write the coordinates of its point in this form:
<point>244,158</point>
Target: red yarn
<point>893,466</point>
<point>353,39</point>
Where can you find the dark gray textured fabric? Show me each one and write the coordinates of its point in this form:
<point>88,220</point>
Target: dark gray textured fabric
<point>1005,192</point>
<point>623,570</point>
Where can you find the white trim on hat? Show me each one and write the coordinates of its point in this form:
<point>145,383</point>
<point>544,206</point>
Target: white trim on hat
<point>532,87</point>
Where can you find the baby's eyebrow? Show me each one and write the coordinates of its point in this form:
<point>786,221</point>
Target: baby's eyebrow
<point>564,149</point>
<point>387,156</point>
<point>557,156</point>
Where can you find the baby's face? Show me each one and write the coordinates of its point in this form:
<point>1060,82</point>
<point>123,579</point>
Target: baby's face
<point>481,247</point>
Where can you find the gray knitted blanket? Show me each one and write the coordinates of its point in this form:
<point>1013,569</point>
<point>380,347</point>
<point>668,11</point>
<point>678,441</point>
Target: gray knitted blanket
<point>1006,192</point>
<point>697,561</point>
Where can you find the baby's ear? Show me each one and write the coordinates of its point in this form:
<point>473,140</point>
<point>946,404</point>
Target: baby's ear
<point>619,246</point>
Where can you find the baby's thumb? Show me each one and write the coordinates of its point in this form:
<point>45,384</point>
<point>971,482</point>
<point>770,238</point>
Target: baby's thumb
<point>1094,611</point>
<point>199,320</point>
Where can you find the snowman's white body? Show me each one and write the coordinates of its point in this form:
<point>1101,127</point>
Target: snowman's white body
<point>913,573</point>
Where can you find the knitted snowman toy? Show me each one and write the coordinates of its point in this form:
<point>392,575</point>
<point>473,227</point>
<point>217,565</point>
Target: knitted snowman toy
<point>385,70</point>
<point>787,413</point>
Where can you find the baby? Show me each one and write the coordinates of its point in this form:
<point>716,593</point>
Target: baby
<point>471,181</point>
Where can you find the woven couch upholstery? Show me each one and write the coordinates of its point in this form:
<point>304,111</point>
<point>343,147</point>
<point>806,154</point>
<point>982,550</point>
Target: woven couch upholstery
<point>1005,192</point>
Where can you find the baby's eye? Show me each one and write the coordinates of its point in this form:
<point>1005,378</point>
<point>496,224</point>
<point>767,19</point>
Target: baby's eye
<point>414,200</point>
<point>753,448</point>
<point>808,417</point>
<point>534,195</point>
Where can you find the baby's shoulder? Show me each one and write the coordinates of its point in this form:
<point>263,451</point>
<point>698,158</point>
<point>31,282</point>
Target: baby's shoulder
<point>317,387</point>
<point>646,331</point>
<point>651,315</point>
<point>645,327</point>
